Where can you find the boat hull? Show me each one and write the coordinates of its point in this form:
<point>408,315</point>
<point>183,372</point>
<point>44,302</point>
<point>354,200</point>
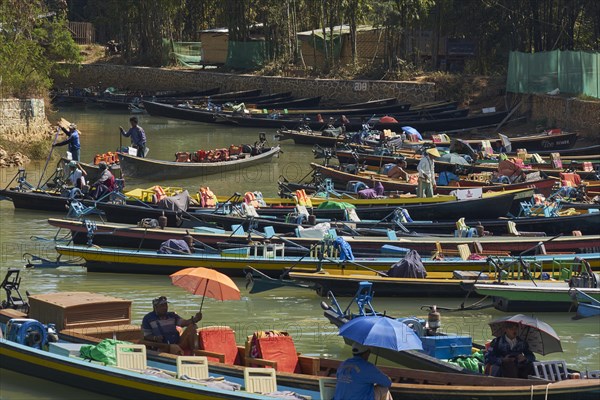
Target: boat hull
<point>137,167</point>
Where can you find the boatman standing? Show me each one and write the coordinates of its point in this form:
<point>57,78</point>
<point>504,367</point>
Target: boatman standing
<point>72,140</point>
<point>426,169</point>
<point>138,136</point>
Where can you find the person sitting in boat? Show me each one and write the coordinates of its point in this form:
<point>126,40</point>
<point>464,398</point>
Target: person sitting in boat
<point>162,326</point>
<point>397,171</point>
<point>509,355</point>
<point>448,178</point>
<point>76,175</point>
<point>105,183</point>
<point>498,147</point>
<point>358,379</point>
<point>72,140</point>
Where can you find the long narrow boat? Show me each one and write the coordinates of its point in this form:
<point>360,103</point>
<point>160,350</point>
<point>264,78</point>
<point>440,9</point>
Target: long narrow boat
<point>115,234</point>
<point>173,111</point>
<point>527,296</point>
<point>347,156</point>
<point>586,223</point>
<point>544,186</point>
<point>272,261</point>
<point>137,167</point>
<point>408,384</point>
<point>423,125</point>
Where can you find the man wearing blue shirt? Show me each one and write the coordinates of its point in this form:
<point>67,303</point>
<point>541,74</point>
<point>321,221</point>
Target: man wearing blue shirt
<point>357,377</point>
<point>72,140</point>
<point>138,136</point>
<point>160,326</point>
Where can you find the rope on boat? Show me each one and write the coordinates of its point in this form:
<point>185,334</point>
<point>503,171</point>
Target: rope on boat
<point>473,307</point>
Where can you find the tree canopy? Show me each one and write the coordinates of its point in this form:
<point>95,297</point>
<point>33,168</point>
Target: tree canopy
<point>496,26</point>
<point>33,40</point>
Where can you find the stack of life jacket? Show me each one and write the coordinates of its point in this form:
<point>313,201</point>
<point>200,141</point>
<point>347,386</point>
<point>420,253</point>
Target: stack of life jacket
<point>109,158</point>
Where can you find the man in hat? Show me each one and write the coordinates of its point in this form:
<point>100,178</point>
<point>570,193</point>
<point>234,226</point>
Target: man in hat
<point>72,140</point>
<point>137,135</point>
<point>358,379</point>
<point>509,355</point>
<point>161,326</point>
<point>426,170</point>
<point>76,175</point>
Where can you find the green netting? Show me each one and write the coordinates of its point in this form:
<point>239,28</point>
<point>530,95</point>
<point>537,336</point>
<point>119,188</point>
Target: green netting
<point>320,42</point>
<point>246,55</point>
<point>570,71</point>
<point>188,54</point>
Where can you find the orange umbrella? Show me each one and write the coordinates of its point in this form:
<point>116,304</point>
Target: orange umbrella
<point>207,282</point>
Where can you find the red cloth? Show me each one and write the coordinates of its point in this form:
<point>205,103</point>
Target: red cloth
<point>280,349</point>
<point>388,120</point>
<point>219,339</point>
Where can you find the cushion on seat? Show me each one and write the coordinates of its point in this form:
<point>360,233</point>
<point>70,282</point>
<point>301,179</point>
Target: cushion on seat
<point>219,339</point>
<point>280,349</point>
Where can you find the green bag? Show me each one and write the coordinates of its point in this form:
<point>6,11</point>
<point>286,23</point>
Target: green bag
<point>105,351</point>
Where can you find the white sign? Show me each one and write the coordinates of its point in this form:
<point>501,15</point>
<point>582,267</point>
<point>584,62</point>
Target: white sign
<point>466,194</point>
<point>132,151</point>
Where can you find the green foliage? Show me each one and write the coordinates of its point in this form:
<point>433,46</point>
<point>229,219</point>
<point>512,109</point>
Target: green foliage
<point>31,46</point>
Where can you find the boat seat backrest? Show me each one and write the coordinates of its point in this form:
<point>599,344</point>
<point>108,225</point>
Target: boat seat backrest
<point>551,370</point>
<point>512,228</point>
<point>464,251</point>
<point>250,211</point>
<point>131,356</point>
<point>192,366</point>
<point>327,388</point>
<point>302,211</point>
<point>237,230</point>
<point>219,339</point>
<point>280,349</point>
<point>260,380</point>
<point>269,231</point>
<point>391,234</point>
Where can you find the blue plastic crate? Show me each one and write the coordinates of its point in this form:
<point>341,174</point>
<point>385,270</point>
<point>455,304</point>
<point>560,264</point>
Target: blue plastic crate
<point>445,347</point>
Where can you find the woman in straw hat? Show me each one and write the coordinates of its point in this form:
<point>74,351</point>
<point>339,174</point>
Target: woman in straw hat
<point>426,169</point>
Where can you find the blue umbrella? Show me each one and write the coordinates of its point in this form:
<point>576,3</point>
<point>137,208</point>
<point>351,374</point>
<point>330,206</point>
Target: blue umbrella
<point>413,131</point>
<point>382,332</point>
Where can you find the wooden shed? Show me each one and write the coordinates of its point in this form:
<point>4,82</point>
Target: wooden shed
<point>79,309</point>
<point>214,45</point>
<point>369,45</point>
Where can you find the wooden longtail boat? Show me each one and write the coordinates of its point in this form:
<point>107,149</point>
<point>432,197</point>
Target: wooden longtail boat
<point>115,234</point>
<point>137,167</point>
<point>543,186</point>
<point>407,383</point>
<point>173,111</point>
<point>527,296</point>
<point>347,157</point>
<point>271,261</point>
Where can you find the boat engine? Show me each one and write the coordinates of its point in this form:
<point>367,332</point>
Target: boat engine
<point>28,332</point>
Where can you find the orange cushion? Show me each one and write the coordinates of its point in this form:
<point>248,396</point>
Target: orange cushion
<point>219,339</point>
<point>280,349</point>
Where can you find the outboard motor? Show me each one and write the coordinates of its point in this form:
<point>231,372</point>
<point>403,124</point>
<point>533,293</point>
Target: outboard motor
<point>28,332</point>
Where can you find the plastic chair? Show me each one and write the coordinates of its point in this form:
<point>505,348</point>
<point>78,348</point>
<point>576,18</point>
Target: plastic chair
<point>327,388</point>
<point>260,380</point>
<point>464,251</point>
<point>551,370</point>
<point>131,356</point>
<point>512,229</point>
<point>192,366</point>
<point>237,230</point>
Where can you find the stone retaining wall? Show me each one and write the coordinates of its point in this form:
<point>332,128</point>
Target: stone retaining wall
<point>145,78</point>
<point>21,117</point>
<point>567,113</point>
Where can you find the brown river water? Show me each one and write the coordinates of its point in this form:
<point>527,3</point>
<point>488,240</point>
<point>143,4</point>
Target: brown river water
<point>294,310</point>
